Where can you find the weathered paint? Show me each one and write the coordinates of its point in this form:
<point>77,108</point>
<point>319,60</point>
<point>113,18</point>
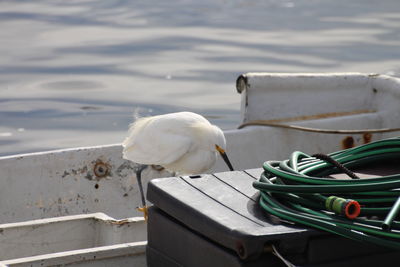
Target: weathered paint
<point>59,183</point>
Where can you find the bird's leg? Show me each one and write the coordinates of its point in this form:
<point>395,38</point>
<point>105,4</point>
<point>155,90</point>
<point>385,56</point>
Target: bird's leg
<point>139,179</point>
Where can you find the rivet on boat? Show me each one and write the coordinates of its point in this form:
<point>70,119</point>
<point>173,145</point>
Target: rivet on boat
<point>101,169</point>
<point>240,250</point>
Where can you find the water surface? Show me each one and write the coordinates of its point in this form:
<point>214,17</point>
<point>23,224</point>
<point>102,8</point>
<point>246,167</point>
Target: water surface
<point>73,73</point>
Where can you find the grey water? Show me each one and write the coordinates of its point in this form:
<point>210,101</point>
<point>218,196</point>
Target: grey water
<point>73,73</point>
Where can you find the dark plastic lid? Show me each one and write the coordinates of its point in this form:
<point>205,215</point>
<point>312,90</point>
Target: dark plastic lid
<point>224,208</point>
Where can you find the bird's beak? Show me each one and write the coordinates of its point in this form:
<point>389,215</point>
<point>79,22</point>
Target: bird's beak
<point>224,156</point>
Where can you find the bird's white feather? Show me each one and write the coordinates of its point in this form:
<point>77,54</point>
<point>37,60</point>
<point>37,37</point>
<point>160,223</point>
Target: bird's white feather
<point>183,142</point>
<point>160,139</point>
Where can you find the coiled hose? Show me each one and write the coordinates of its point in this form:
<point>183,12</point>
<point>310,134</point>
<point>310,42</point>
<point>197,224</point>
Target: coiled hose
<point>299,190</point>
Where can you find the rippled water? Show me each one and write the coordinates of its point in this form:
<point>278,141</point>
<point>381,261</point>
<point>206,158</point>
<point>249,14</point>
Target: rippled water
<point>72,73</point>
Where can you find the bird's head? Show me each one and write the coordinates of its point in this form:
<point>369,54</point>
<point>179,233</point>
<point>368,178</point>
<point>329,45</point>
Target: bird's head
<point>220,146</point>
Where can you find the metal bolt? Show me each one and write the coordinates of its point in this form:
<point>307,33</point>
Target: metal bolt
<point>101,169</point>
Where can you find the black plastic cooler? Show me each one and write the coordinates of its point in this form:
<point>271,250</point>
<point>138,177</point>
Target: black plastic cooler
<point>215,220</point>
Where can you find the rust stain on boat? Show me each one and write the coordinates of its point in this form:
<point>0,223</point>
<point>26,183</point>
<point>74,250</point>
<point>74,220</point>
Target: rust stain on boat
<point>323,115</point>
<point>119,223</point>
<point>74,172</point>
<point>367,138</point>
<point>348,142</point>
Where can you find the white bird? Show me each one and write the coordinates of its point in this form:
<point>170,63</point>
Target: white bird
<point>182,142</point>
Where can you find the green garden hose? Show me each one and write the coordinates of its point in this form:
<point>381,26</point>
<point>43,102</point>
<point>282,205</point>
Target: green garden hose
<point>300,190</point>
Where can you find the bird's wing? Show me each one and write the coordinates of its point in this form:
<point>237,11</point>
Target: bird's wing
<point>157,140</point>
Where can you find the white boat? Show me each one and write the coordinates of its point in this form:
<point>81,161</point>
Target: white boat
<point>78,206</point>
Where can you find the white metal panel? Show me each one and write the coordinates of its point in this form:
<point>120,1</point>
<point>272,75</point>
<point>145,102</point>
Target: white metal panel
<point>327,101</point>
<point>77,232</point>
<point>251,146</point>
<point>59,183</point>
<point>128,254</point>
<point>268,96</point>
